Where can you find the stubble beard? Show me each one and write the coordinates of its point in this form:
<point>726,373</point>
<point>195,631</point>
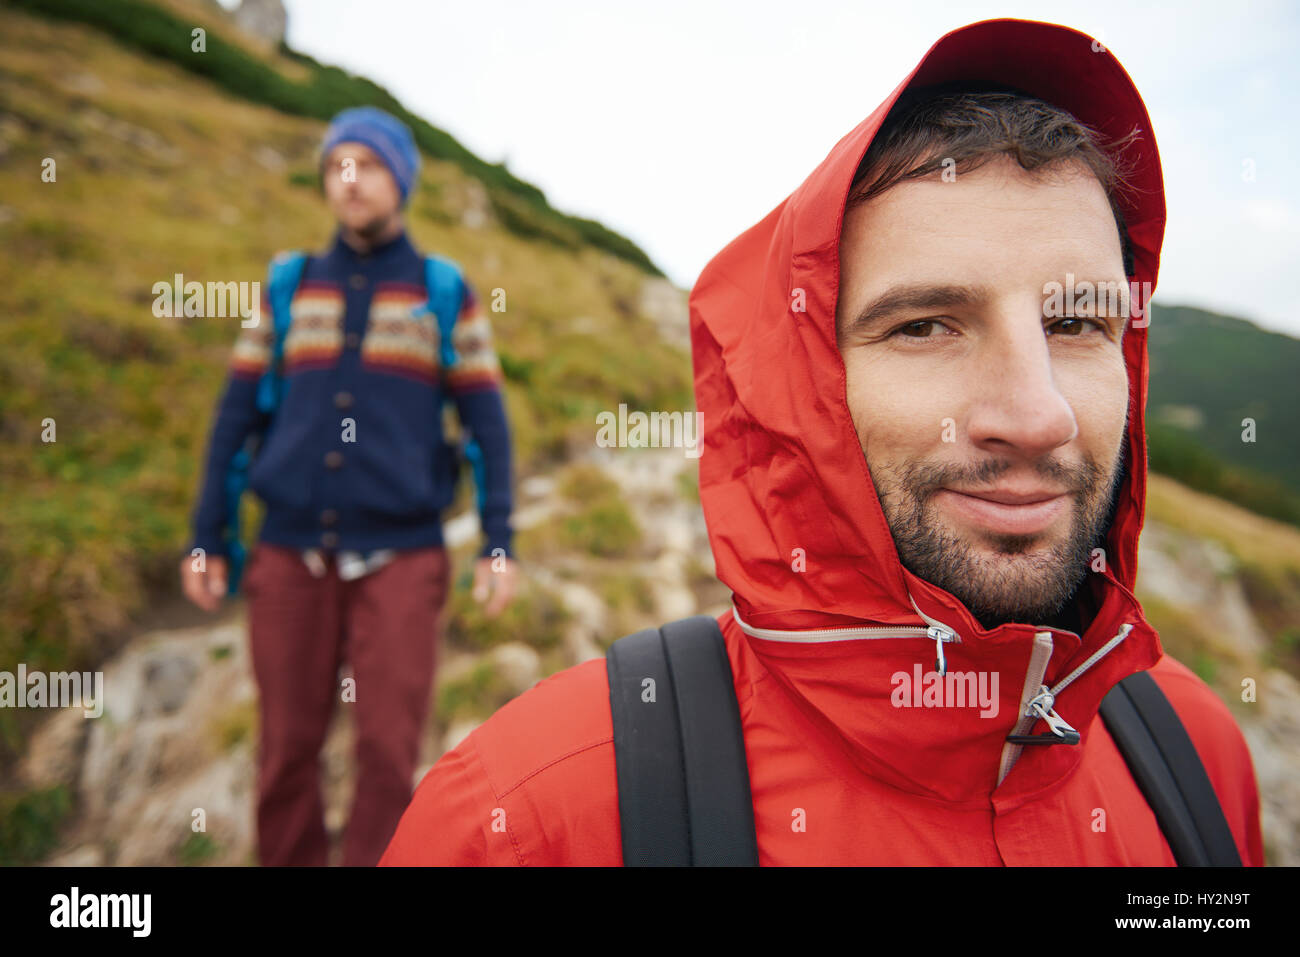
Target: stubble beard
<point>1019,581</point>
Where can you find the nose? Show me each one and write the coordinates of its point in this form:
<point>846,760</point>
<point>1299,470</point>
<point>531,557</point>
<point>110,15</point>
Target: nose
<point>1018,408</point>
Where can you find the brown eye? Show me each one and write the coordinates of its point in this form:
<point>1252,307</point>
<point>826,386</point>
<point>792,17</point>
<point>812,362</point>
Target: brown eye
<point>1077,326</point>
<point>915,326</point>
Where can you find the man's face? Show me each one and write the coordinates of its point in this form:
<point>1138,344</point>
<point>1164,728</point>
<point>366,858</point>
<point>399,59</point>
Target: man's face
<point>360,190</point>
<point>959,381</point>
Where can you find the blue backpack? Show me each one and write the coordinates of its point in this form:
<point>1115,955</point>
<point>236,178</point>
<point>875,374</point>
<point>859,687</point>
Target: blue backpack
<point>446,291</point>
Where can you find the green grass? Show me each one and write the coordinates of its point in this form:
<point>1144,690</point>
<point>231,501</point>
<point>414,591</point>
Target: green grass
<point>583,484</point>
<point>475,696</point>
<point>628,599</point>
<point>534,617</point>
<point>235,726</point>
<point>1173,452</point>
<point>197,849</point>
<point>605,529</point>
<point>602,525</point>
<point>30,822</point>
<point>1183,636</point>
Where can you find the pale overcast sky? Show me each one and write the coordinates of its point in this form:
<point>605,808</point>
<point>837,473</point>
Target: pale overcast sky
<point>681,123</point>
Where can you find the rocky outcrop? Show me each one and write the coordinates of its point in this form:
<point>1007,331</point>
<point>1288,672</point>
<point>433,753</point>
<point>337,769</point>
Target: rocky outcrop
<point>1196,580</point>
<point>665,305</point>
<point>168,760</point>
<point>262,18</point>
<point>1274,740</point>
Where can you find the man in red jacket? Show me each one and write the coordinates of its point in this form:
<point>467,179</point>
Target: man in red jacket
<point>923,378</point>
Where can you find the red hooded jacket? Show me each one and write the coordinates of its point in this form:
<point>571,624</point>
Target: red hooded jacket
<point>839,775</point>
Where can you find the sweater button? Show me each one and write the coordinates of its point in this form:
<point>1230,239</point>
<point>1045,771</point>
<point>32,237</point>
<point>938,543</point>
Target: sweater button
<point>329,539</point>
<point>334,459</point>
<point>352,340</point>
<point>342,400</point>
<point>357,281</point>
<point>329,516</point>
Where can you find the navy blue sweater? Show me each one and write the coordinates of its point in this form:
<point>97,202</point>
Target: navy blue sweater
<point>351,458</point>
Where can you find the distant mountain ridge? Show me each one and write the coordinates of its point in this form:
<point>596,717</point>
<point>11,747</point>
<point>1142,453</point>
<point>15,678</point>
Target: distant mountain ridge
<point>1212,378</point>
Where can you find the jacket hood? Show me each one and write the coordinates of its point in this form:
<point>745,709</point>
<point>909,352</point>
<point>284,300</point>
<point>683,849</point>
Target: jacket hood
<point>782,466</point>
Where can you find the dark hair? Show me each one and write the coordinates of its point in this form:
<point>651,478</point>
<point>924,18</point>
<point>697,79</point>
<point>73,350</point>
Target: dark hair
<point>936,128</point>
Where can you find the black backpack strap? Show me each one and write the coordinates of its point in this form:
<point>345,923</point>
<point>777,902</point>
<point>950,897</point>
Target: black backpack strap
<point>1166,767</point>
<point>683,782</point>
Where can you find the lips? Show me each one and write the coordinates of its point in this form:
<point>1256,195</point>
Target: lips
<point>1013,496</point>
<point>1006,512</point>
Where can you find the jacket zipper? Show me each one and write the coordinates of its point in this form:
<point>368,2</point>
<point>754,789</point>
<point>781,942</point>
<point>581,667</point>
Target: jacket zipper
<point>1037,700</point>
<point>935,631</point>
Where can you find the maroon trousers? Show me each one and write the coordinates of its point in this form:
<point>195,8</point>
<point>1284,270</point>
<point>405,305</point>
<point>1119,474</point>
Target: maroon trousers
<point>301,630</point>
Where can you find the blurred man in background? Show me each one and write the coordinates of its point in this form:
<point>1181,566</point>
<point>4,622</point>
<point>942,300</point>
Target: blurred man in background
<point>354,471</point>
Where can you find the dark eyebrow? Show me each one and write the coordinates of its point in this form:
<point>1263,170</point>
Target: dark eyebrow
<point>899,298</point>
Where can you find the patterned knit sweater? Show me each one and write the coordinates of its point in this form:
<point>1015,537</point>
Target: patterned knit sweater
<point>351,459</point>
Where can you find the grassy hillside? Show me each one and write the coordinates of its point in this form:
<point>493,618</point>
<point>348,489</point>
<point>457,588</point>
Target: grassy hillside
<point>320,91</point>
<point>1208,373</point>
<point>1265,560</point>
<point>162,171</point>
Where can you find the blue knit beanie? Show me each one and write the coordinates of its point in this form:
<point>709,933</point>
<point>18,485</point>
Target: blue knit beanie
<point>382,132</point>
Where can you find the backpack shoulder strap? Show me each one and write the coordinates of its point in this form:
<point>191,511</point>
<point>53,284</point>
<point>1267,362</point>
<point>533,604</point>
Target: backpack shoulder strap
<point>683,781</point>
<point>446,291</point>
<point>1166,767</point>
<point>445,285</point>
<point>285,274</point>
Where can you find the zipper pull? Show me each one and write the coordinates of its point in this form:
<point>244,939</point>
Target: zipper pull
<point>1060,733</point>
<point>940,634</point>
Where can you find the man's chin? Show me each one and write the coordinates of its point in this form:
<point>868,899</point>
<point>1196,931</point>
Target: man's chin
<point>1002,578</point>
<point>1015,550</point>
<point>360,221</point>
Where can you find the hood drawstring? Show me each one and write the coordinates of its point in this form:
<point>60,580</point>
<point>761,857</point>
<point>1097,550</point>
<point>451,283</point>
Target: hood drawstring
<point>1041,704</point>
